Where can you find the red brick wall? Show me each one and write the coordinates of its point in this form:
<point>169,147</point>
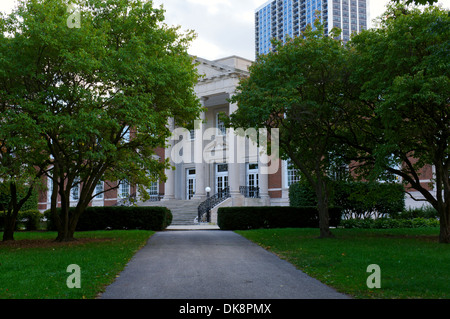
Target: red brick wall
<point>275,181</point>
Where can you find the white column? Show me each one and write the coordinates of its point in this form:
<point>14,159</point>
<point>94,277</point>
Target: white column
<point>169,186</point>
<point>200,166</point>
<point>234,167</point>
<point>263,182</point>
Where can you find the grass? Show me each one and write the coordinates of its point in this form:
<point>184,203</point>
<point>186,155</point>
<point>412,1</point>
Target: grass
<point>34,267</point>
<point>412,262</point>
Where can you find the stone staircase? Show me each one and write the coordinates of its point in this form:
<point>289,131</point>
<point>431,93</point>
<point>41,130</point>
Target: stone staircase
<point>184,211</point>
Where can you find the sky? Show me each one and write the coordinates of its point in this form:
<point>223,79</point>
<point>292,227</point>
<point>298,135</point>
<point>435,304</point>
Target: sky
<point>223,27</point>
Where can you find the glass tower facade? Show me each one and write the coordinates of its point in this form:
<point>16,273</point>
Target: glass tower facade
<point>278,18</point>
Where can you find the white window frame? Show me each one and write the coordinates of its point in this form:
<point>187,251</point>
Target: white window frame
<point>120,191</point>
<point>153,186</point>
<point>220,125</point>
<point>290,175</point>
<point>49,189</point>
<point>75,188</point>
<point>97,190</point>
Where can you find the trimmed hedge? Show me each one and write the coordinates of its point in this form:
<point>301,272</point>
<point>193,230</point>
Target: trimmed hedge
<point>243,218</point>
<point>120,217</point>
<point>423,212</point>
<point>364,199</point>
<point>357,199</point>
<point>387,223</point>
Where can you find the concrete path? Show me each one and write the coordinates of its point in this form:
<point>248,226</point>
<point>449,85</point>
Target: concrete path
<point>211,264</point>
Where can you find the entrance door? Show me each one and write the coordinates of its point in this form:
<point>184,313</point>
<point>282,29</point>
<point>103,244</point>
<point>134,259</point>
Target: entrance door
<point>221,179</point>
<point>190,183</point>
<point>252,180</point>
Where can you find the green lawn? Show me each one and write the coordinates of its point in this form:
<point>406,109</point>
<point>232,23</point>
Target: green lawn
<point>412,262</point>
<point>30,270</point>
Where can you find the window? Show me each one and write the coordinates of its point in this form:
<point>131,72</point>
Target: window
<point>124,189</point>
<point>99,189</point>
<point>221,129</point>
<point>75,191</point>
<point>153,189</point>
<point>126,134</point>
<point>340,172</point>
<point>49,188</point>
<point>292,174</point>
<point>387,176</point>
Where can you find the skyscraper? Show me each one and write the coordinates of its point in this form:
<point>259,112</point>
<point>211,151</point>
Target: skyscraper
<point>278,18</point>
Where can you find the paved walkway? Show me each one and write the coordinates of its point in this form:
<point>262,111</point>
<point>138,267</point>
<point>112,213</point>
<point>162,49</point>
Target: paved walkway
<point>211,264</point>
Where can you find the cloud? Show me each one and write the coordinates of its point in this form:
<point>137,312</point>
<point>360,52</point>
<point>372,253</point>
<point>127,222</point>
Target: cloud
<point>224,27</point>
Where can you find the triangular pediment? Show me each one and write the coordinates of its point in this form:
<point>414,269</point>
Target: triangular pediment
<point>211,69</point>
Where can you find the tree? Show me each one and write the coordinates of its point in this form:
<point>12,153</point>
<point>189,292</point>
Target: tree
<point>402,123</point>
<point>422,2</point>
<point>99,84</point>
<point>20,156</point>
<point>299,88</point>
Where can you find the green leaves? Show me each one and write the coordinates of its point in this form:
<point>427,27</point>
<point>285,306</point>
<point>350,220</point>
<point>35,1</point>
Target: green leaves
<point>82,88</point>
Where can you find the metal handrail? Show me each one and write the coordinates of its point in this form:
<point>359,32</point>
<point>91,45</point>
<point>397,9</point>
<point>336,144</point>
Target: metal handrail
<point>205,207</point>
<point>249,191</point>
<point>155,197</point>
<point>127,201</point>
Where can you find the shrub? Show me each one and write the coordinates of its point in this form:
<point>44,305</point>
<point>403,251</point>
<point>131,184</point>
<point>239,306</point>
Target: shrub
<point>369,199</point>
<point>301,194</point>
<point>119,217</point>
<point>357,199</point>
<point>242,218</point>
<point>388,223</point>
<point>423,212</point>
<point>29,219</point>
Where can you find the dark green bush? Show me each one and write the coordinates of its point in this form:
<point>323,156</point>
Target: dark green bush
<point>301,194</point>
<point>119,217</point>
<point>357,199</point>
<point>243,218</point>
<point>423,212</point>
<point>388,223</point>
<point>28,220</point>
<point>365,199</point>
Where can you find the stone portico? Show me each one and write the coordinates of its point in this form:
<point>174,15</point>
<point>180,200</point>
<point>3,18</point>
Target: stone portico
<point>216,158</point>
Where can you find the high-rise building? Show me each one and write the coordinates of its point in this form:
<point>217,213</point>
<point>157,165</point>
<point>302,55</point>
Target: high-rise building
<point>278,18</point>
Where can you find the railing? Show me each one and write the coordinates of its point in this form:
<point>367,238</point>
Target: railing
<point>127,201</point>
<point>204,209</point>
<point>155,197</point>
<point>249,191</point>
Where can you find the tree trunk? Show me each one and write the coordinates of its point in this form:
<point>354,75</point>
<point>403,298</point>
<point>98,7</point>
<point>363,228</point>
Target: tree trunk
<point>64,233</point>
<point>13,211</point>
<point>10,225</point>
<point>322,206</point>
<point>444,234</point>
